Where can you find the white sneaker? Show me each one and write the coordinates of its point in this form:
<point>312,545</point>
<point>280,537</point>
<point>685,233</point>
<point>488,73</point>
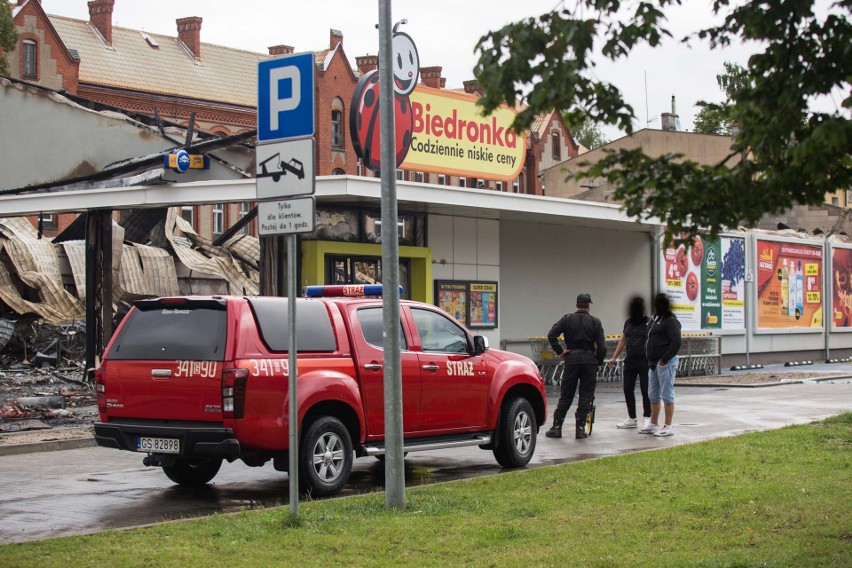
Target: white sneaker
<point>629,423</point>
<point>666,430</point>
<point>649,428</point>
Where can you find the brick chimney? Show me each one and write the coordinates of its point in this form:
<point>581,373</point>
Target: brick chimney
<point>367,63</point>
<point>431,77</point>
<point>189,32</point>
<point>335,38</point>
<point>472,87</point>
<point>669,119</point>
<point>280,49</point>
<point>100,16</point>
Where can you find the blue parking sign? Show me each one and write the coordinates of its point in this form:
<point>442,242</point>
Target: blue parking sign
<point>285,97</point>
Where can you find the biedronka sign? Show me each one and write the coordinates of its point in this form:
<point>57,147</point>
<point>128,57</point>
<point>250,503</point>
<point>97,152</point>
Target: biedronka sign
<point>451,136</point>
<point>436,131</point>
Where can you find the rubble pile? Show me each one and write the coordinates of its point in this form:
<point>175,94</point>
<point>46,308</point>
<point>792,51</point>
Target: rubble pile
<point>42,377</point>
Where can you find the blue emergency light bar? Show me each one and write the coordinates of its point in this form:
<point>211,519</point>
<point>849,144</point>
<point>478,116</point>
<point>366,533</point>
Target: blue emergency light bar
<point>349,290</point>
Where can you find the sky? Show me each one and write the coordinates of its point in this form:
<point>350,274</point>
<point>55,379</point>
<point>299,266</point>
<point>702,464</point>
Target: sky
<point>446,33</point>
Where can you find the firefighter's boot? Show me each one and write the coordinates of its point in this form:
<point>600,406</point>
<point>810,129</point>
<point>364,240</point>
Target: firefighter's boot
<point>555,430</point>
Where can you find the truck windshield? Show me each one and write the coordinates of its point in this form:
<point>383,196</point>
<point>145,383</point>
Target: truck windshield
<point>196,334</point>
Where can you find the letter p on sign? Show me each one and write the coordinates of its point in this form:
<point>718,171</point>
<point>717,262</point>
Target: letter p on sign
<point>277,102</point>
<point>285,97</point>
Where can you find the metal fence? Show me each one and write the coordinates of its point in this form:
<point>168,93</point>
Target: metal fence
<point>700,354</point>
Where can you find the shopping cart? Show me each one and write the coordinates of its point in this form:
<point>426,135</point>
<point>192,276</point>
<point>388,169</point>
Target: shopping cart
<point>549,364</point>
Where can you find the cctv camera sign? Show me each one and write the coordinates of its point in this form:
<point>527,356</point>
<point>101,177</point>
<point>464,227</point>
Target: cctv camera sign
<point>451,135</point>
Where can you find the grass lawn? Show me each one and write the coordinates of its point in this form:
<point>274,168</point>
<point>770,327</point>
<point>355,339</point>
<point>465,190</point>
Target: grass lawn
<point>778,498</point>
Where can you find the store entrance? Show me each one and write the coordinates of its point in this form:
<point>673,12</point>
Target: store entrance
<point>350,269</point>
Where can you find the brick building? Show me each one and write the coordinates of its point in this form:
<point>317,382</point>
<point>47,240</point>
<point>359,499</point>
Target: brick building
<point>177,76</point>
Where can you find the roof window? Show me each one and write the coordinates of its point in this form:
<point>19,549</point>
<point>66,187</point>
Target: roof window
<point>151,41</point>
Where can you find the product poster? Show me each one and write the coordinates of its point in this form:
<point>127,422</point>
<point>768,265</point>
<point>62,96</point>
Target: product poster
<point>710,283</point>
<point>733,283</point>
<point>483,304</point>
<point>841,287</point>
<point>452,298</point>
<point>789,285</point>
<point>704,283</point>
<point>473,303</point>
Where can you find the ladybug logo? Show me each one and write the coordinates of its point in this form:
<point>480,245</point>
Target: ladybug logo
<point>406,63</point>
<point>364,108</point>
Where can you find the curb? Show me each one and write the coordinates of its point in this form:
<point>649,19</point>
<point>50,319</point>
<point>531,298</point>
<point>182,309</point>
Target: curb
<point>737,386</point>
<point>49,446</point>
<point>761,385</point>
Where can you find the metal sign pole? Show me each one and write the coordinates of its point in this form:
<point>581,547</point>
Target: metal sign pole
<point>286,153</point>
<point>292,375</point>
<point>827,294</point>
<point>394,467</point>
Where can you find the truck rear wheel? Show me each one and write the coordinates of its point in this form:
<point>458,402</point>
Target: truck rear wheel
<point>193,471</point>
<point>517,433</point>
<point>325,457</point>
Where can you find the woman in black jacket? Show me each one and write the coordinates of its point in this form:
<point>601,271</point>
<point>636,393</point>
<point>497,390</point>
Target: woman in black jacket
<point>632,343</point>
<point>661,350</point>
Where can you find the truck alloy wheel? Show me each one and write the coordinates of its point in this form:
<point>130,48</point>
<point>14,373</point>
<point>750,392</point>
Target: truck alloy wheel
<point>517,433</point>
<point>325,457</point>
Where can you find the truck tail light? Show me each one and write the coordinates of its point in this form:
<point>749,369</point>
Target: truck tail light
<point>234,392</point>
<point>100,387</point>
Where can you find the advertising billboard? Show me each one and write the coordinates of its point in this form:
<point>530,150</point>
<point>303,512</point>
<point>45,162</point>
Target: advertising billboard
<point>841,288</point>
<point>789,285</point>
<point>705,283</point>
<point>435,130</point>
<point>473,303</point>
<point>450,135</point>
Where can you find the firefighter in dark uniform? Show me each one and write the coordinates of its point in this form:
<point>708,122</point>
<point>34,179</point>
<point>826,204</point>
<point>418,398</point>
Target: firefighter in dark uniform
<point>585,349</point>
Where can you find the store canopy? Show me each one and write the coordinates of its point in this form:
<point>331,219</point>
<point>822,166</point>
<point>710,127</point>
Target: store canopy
<point>340,190</point>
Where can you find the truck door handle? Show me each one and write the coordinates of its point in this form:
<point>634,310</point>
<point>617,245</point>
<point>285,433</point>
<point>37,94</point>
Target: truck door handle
<point>161,373</point>
<point>430,367</point>
<point>373,366</point>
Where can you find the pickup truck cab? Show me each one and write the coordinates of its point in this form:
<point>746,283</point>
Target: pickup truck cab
<point>192,381</point>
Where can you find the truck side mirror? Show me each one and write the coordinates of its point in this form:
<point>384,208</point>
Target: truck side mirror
<point>480,344</point>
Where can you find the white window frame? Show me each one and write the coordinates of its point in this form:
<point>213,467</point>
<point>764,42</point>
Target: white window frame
<point>442,179</point>
<point>337,129</point>
<point>462,181</point>
<point>556,146</point>
<point>499,185</point>
<point>188,209</point>
<point>419,177</point>
<point>245,207</point>
<point>218,219</point>
<point>29,58</point>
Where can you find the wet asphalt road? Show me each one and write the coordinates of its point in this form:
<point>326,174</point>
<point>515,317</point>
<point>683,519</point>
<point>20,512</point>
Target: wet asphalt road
<point>51,494</point>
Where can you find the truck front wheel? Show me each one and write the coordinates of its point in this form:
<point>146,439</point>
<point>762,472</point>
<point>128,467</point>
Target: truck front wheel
<point>325,457</point>
<point>192,471</point>
<point>517,433</point>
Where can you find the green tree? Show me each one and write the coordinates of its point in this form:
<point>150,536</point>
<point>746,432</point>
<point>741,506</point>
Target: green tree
<point>8,35</point>
<point>583,130</point>
<point>717,118</point>
<point>796,154</point>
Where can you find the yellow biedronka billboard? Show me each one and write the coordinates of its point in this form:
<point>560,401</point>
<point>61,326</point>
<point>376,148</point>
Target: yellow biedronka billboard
<point>451,136</point>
